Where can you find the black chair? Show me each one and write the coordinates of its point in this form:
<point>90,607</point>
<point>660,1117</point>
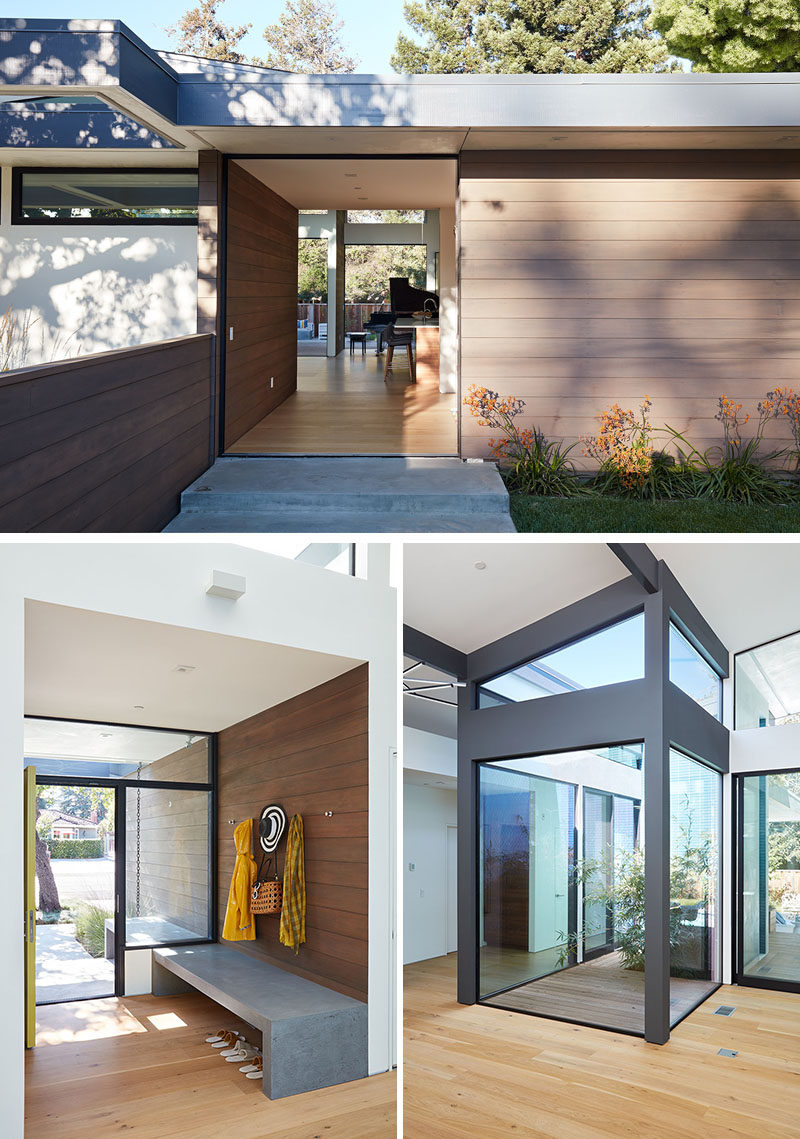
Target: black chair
<point>378,323</point>
<point>399,340</point>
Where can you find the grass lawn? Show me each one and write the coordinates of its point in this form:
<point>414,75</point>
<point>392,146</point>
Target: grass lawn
<point>619,515</point>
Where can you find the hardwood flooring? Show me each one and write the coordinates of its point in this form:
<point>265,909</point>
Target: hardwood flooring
<point>782,962</point>
<point>478,1071</point>
<point>140,1065</point>
<point>343,407</point>
<point>599,992</point>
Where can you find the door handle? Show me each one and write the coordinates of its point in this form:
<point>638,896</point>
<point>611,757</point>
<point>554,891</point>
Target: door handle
<point>30,927</point>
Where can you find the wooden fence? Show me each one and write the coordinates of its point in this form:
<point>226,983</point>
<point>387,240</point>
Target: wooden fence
<point>355,315</point>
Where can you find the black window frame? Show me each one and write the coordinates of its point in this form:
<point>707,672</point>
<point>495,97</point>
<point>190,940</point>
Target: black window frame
<point>120,786</point>
<point>18,172</point>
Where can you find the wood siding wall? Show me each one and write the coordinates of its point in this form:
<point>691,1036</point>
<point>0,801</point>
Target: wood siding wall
<point>167,833</point>
<point>261,302</point>
<point>107,442</point>
<point>309,754</point>
<point>590,278</point>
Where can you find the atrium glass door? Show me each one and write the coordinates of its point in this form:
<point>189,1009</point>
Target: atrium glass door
<point>768,942</point>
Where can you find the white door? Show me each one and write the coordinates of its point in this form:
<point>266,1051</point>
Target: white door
<point>452,889</point>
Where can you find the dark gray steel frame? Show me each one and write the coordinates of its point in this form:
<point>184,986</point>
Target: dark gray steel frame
<point>651,709</point>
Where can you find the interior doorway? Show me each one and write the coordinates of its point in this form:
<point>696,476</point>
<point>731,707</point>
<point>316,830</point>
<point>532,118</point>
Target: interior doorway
<point>368,242</point>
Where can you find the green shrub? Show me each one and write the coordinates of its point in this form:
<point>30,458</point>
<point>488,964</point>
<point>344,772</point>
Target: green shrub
<point>542,466</point>
<point>75,847</point>
<point>90,927</point>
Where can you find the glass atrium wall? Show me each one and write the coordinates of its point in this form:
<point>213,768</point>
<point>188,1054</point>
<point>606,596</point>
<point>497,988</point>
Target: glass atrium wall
<point>769,886</point>
<point>695,883</point>
<point>561,886</point>
<point>767,687</point>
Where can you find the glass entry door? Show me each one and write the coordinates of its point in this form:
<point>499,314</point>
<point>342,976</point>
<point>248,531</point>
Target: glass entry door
<point>768,812</point>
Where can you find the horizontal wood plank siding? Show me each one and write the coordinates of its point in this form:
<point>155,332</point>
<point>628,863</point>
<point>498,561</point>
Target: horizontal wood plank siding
<point>261,302</point>
<point>106,442</point>
<point>310,754</point>
<point>590,278</point>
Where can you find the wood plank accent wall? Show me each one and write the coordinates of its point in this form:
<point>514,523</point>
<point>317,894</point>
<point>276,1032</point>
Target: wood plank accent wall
<point>106,442</point>
<point>591,277</point>
<point>261,302</point>
<point>310,754</point>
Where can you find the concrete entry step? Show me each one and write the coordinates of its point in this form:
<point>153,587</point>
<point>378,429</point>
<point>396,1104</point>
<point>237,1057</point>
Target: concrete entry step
<point>339,495</point>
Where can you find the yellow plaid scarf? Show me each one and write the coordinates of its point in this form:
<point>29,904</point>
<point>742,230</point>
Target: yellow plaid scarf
<point>293,912</point>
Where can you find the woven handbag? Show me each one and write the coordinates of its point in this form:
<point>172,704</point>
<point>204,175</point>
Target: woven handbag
<point>267,895</point>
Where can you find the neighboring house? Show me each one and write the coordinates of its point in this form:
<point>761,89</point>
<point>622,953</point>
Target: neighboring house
<point>592,239</point>
<point>70,826</point>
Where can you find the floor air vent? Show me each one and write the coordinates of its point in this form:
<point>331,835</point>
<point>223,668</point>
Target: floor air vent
<point>724,1010</point>
<point>727,1052</point>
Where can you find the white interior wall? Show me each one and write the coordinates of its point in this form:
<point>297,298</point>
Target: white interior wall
<point>93,288</point>
<point>164,580</point>
<point>427,812</point>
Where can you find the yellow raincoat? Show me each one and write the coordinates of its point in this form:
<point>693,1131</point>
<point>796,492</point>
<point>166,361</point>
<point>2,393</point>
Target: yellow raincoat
<point>240,925</point>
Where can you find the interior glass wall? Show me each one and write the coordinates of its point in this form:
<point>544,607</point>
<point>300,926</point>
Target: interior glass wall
<point>167,866</point>
<point>692,673</point>
<point>769,885</point>
<point>561,886</point>
<point>767,684</point>
<point>610,656</point>
<point>695,883</point>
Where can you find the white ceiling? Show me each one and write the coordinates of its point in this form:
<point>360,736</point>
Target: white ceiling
<point>446,597</point>
<point>380,184</point>
<point>95,666</point>
<point>746,590</point>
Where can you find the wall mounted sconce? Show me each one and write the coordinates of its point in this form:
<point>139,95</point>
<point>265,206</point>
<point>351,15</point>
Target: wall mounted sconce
<point>229,585</point>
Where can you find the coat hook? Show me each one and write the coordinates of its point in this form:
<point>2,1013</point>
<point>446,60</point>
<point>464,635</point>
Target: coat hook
<point>232,822</point>
<point>329,814</point>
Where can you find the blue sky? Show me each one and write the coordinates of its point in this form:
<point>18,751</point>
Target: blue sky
<point>369,30</point>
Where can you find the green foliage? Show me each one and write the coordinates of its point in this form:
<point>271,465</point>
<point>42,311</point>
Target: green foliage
<point>200,31</point>
<point>312,269</point>
<point>665,479</point>
<point>44,825</point>
<point>90,929</point>
<point>543,466</point>
<point>450,38</point>
<point>307,39</point>
<point>75,847</point>
<point>369,267</point>
<point>570,36</point>
<point>524,36</point>
<point>732,35</point>
<point>604,514</point>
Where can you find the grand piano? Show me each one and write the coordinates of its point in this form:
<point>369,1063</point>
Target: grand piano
<point>405,299</point>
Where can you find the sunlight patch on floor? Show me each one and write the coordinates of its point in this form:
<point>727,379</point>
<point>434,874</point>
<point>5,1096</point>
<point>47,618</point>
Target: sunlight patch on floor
<point>85,1020</point>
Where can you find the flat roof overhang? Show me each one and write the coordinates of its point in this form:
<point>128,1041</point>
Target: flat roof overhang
<point>198,104</point>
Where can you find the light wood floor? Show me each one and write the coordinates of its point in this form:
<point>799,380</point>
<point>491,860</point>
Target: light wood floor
<point>599,992</point>
<point>477,1071</point>
<point>140,1065</point>
<point>343,407</point>
<point>782,963</point>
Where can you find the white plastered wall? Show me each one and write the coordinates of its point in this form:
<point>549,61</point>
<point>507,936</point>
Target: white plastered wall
<point>427,813</point>
<point>164,580</point>
<point>88,289</point>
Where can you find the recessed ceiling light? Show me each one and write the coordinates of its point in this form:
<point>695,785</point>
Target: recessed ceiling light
<point>138,707</point>
<point>105,735</point>
<point>184,668</point>
<point>480,565</point>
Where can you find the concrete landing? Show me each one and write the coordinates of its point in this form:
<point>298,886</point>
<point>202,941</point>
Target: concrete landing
<point>345,495</point>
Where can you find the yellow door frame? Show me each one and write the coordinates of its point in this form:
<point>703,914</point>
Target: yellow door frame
<point>30,906</point>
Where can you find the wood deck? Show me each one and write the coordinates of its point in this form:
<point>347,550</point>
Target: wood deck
<point>599,992</point>
<point>141,1065</point>
<point>343,407</point>
<point>782,962</point>
<point>473,1070</point>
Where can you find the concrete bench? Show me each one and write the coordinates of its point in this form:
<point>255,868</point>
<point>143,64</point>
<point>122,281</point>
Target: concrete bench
<point>312,1037</point>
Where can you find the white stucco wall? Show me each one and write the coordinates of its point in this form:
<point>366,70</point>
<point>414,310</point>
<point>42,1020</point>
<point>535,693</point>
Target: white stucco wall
<point>94,288</point>
<point>163,581</point>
